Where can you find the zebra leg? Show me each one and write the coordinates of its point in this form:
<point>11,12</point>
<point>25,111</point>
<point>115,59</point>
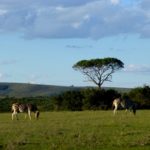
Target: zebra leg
<point>25,116</point>
<point>130,110</point>
<point>14,114</point>
<point>126,110</point>
<point>134,109</point>
<point>29,114</point>
<point>17,116</point>
<point>37,113</point>
<point>115,110</point>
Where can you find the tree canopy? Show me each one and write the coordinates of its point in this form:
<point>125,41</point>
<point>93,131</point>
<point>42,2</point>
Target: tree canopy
<point>99,70</point>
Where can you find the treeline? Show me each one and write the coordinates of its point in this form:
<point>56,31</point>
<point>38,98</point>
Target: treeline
<point>96,99</point>
<point>87,99</point>
<point>83,99</point>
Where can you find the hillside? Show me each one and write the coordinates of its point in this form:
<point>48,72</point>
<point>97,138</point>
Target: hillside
<point>32,90</point>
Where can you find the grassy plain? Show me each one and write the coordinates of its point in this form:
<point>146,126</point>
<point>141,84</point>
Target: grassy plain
<point>85,130</point>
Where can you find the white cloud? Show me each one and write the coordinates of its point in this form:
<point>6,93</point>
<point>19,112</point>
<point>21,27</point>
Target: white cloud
<point>1,75</point>
<point>115,2</point>
<point>3,12</point>
<point>4,76</point>
<point>137,68</point>
<point>78,47</point>
<point>37,78</point>
<point>78,19</point>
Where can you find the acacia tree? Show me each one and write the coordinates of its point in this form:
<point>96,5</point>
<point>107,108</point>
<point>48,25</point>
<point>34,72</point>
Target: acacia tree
<point>99,70</point>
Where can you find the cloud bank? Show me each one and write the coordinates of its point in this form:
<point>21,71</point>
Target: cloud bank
<point>137,68</point>
<point>75,19</point>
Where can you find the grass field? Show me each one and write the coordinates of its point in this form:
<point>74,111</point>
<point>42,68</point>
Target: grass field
<point>87,130</point>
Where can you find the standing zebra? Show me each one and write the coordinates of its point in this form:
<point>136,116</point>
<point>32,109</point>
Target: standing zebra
<point>27,108</point>
<point>125,103</point>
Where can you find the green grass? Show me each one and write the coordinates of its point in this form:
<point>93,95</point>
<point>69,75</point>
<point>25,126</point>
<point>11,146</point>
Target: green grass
<point>87,130</point>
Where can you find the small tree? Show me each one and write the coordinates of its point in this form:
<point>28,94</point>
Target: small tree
<point>99,70</point>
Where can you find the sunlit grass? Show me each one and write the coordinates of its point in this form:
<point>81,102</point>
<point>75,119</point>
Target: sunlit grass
<point>87,130</point>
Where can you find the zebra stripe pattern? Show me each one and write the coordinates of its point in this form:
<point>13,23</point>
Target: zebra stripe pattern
<point>24,108</point>
<point>126,103</point>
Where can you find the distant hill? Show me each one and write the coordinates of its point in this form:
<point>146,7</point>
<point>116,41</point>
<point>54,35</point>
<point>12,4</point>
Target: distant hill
<point>119,89</point>
<point>33,90</point>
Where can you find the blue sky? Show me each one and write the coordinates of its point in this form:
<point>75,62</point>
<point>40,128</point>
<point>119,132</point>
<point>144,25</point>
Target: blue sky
<point>40,40</point>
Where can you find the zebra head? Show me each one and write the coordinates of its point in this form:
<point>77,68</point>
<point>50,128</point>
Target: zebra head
<point>122,103</point>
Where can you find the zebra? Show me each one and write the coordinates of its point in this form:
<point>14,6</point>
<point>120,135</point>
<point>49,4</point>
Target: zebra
<point>125,103</point>
<point>27,108</point>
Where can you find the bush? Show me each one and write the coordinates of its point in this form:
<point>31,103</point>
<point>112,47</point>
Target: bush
<point>141,96</point>
<point>70,100</point>
<point>86,99</point>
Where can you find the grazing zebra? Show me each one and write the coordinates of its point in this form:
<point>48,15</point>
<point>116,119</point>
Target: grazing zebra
<point>125,103</point>
<point>27,108</point>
